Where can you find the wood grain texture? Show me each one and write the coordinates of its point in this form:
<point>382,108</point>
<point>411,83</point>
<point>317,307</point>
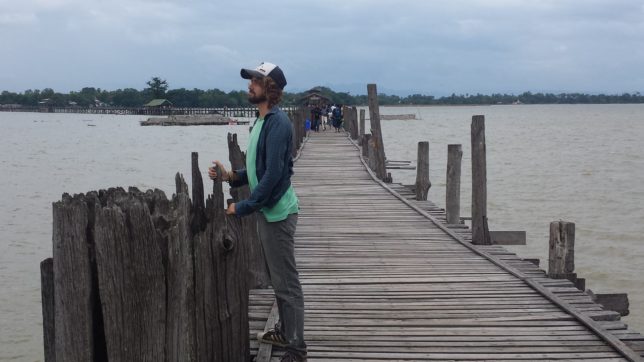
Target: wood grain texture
<point>74,304</point>
<point>48,309</point>
<point>138,277</point>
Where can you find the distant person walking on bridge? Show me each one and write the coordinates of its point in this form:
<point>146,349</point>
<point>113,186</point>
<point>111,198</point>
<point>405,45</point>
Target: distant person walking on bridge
<point>269,166</point>
<point>337,117</point>
<point>316,113</point>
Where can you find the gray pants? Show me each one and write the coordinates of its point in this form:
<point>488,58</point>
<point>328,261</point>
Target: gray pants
<point>279,253</point>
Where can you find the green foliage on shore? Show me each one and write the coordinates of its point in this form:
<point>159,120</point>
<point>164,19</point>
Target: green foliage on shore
<point>182,97</point>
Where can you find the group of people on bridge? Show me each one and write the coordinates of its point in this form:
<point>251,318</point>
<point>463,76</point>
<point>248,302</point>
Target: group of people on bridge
<point>324,115</point>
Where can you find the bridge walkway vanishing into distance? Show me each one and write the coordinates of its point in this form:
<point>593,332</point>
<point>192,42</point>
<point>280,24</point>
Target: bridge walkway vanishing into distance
<point>385,279</point>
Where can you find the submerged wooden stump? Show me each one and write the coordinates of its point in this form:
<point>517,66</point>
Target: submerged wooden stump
<point>138,277</point>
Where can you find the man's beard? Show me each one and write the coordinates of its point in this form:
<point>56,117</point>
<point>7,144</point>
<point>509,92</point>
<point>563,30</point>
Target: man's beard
<point>255,99</point>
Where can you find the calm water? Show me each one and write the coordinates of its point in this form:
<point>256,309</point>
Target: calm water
<point>577,163</point>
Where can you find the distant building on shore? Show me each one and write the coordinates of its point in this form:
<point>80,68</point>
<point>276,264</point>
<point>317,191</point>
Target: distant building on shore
<point>158,103</point>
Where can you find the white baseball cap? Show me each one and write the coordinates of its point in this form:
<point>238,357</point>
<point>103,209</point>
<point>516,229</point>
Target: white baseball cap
<point>266,70</point>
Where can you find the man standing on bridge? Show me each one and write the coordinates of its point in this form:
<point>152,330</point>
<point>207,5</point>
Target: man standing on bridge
<point>269,166</point>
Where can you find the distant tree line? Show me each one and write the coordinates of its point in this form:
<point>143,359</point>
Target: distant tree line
<point>158,88</point>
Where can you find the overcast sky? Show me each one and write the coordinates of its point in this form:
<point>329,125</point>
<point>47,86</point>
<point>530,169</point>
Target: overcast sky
<point>412,46</point>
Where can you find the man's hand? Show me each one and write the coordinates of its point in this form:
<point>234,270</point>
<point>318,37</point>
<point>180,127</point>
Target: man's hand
<point>231,209</point>
<point>212,173</point>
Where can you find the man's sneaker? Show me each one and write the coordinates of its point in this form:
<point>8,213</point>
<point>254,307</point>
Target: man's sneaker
<point>274,337</point>
<point>292,357</point>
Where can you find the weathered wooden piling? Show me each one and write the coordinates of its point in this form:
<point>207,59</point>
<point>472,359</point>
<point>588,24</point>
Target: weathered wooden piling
<point>561,257</point>
<point>74,302</point>
<point>376,142</point>
<point>47,297</point>
<point>346,118</point>
<point>422,171</point>
<point>480,230</point>
<point>257,273</point>
<point>453,180</point>
<point>139,277</point>
<point>353,130</point>
<point>298,118</point>
<point>365,144</point>
<point>362,121</point>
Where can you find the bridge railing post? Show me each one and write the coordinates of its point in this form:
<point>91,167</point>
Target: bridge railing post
<point>346,118</point>
<point>422,171</point>
<point>362,121</point>
<point>480,230</point>
<point>376,133</point>
<point>453,181</point>
<point>365,144</point>
<point>561,256</point>
<point>354,123</point>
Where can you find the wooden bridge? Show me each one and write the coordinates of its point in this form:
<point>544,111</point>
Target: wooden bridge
<point>384,278</point>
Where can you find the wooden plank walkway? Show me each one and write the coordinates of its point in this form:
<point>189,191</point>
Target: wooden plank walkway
<point>384,282</point>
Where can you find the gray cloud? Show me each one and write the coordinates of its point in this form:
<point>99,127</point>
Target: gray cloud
<point>405,46</point>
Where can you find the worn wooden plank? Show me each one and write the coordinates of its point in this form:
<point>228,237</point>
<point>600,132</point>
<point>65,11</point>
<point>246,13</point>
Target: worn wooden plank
<point>508,237</point>
<point>617,302</point>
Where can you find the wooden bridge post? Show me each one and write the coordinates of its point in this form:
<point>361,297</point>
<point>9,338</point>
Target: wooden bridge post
<point>480,230</point>
<point>296,136</point>
<point>258,277</point>
<point>300,125</point>
<point>354,123</point>
<point>297,118</point>
<point>453,192</point>
<point>362,120</point>
<point>74,307</point>
<point>561,256</point>
<point>346,118</point>
<point>422,171</point>
<point>365,144</point>
<point>376,133</point>
<point>48,309</point>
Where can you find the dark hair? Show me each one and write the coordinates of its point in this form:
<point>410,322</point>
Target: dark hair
<point>272,90</point>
